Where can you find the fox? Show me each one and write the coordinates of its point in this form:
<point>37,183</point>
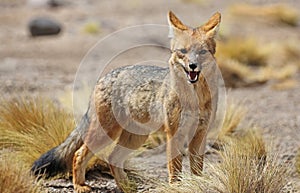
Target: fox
<point>130,102</point>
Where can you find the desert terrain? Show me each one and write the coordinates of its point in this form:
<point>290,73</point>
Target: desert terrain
<point>49,66</point>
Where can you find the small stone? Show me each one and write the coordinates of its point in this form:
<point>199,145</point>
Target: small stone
<point>55,3</point>
<point>46,3</point>
<point>43,26</point>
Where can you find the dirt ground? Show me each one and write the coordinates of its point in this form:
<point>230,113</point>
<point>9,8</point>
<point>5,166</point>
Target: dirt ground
<point>47,66</point>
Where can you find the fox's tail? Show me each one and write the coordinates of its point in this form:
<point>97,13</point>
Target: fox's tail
<point>59,159</point>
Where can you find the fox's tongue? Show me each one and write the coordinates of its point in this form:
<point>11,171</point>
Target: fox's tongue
<point>192,75</point>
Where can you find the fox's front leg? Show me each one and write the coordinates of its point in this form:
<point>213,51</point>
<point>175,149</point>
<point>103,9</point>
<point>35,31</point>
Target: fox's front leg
<point>174,157</point>
<point>196,151</point>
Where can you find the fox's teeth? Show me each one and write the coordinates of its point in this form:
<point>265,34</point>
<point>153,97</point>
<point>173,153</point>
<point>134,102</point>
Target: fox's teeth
<point>192,76</point>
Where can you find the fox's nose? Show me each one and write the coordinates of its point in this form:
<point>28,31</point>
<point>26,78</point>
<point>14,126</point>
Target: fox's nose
<point>193,66</point>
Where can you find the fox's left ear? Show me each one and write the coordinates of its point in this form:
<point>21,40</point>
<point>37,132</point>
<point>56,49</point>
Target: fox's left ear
<point>212,26</point>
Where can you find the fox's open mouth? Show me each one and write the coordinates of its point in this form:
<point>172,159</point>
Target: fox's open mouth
<point>192,76</point>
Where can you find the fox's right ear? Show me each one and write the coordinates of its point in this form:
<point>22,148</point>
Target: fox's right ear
<point>175,24</point>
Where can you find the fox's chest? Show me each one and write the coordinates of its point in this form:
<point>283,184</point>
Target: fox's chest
<point>188,106</point>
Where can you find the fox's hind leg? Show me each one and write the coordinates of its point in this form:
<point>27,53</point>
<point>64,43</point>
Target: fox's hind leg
<point>96,140</point>
<point>128,142</point>
<point>80,160</point>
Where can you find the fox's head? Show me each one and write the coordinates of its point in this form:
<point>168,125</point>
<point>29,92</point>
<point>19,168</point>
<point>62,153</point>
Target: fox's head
<point>193,49</point>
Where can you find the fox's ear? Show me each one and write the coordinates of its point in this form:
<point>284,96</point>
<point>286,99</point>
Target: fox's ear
<point>212,26</point>
<point>175,24</point>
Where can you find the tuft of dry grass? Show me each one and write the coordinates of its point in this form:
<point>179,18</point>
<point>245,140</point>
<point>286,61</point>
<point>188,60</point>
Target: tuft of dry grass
<point>280,13</point>
<point>250,144</point>
<point>31,126</point>
<point>15,177</point>
<point>235,114</point>
<point>239,59</point>
<point>244,167</point>
<point>245,51</point>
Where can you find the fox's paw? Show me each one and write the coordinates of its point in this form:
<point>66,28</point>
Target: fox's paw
<point>174,180</point>
<point>82,188</point>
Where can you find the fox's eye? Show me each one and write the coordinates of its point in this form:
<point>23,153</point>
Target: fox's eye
<point>183,50</point>
<point>203,52</point>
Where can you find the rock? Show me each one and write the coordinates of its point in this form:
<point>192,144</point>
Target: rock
<point>46,3</point>
<point>44,26</point>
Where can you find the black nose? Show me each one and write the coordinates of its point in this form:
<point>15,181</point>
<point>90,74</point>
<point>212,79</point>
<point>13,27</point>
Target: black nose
<point>193,66</point>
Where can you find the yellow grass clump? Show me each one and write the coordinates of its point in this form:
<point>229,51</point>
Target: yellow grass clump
<point>244,50</point>
<point>235,114</point>
<point>245,62</point>
<point>245,167</point>
<point>15,177</point>
<point>32,126</point>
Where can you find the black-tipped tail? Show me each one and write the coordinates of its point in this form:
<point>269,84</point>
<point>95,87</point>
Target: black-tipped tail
<point>49,164</point>
<point>59,159</point>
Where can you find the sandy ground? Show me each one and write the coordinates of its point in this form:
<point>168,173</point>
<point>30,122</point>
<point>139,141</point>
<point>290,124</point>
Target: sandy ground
<point>47,65</point>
